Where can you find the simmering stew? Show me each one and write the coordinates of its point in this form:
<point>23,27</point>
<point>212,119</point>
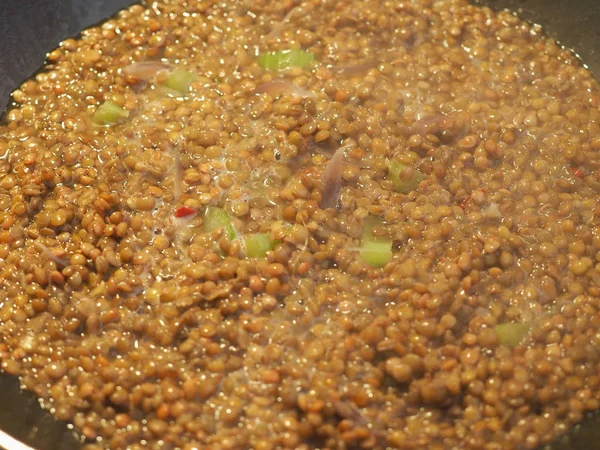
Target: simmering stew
<point>290,224</point>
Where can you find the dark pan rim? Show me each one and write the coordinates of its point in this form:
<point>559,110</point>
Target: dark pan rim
<point>575,23</point>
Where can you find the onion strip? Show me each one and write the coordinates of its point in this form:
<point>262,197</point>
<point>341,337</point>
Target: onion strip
<point>144,70</point>
<point>278,87</point>
<point>332,178</point>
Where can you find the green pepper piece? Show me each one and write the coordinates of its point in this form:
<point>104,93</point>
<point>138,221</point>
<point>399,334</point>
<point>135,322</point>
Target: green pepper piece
<point>511,334</point>
<point>405,178</point>
<point>283,59</point>
<point>375,251</point>
<point>257,245</point>
<point>216,218</point>
<point>180,80</point>
<point>108,113</point>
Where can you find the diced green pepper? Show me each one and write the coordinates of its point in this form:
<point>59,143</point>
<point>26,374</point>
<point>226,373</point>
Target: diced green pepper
<point>405,178</point>
<point>284,59</point>
<point>180,80</point>
<point>511,334</point>
<point>257,245</point>
<point>108,113</point>
<point>376,253</point>
<point>216,218</point>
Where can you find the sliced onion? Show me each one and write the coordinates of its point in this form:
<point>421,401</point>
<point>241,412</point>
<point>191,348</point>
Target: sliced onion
<point>276,31</point>
<point>332,178</point>
<point>51,255</point>
<point>353,71</point>
<point>145,70</point>
<point>277,87</point>
<point>323,150</point>
<point>177,174</point>
<point>426,124</point>
<point>307,145</point>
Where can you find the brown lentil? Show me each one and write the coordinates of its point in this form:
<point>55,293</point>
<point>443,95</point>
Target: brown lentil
<point>146,331</point>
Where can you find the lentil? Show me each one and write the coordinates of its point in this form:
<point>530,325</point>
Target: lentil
<point>147,330</point>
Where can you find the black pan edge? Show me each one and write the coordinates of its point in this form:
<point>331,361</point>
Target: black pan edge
<point>32,28</point>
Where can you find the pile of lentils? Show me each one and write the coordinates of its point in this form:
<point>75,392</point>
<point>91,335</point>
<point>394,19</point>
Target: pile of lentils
<point>127,318</point>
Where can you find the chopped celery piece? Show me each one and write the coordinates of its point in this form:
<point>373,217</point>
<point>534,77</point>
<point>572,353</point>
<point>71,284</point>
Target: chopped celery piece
<point>109,113</point>
<point>284,59</point>
<point>376,253</point>
<point>511,334</point>
<point>405,178</point>
<point>216,218</point>
<point>257,245</point>
<point>180,80</point>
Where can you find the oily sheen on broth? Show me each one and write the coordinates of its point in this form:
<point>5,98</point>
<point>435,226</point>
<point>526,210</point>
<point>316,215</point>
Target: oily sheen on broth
<point>305,225</point>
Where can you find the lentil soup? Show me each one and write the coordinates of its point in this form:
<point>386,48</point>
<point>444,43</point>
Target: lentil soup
<point>305,224</point>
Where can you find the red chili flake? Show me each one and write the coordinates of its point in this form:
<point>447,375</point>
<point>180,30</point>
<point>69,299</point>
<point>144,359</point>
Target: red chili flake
<point>578,173</point>
<point>465,201</point>
<point>184,211</point>
<point>468,198</point>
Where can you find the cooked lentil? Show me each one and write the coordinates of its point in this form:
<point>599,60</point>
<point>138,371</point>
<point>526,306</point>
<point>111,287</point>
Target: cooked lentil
<point>148,331</point>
